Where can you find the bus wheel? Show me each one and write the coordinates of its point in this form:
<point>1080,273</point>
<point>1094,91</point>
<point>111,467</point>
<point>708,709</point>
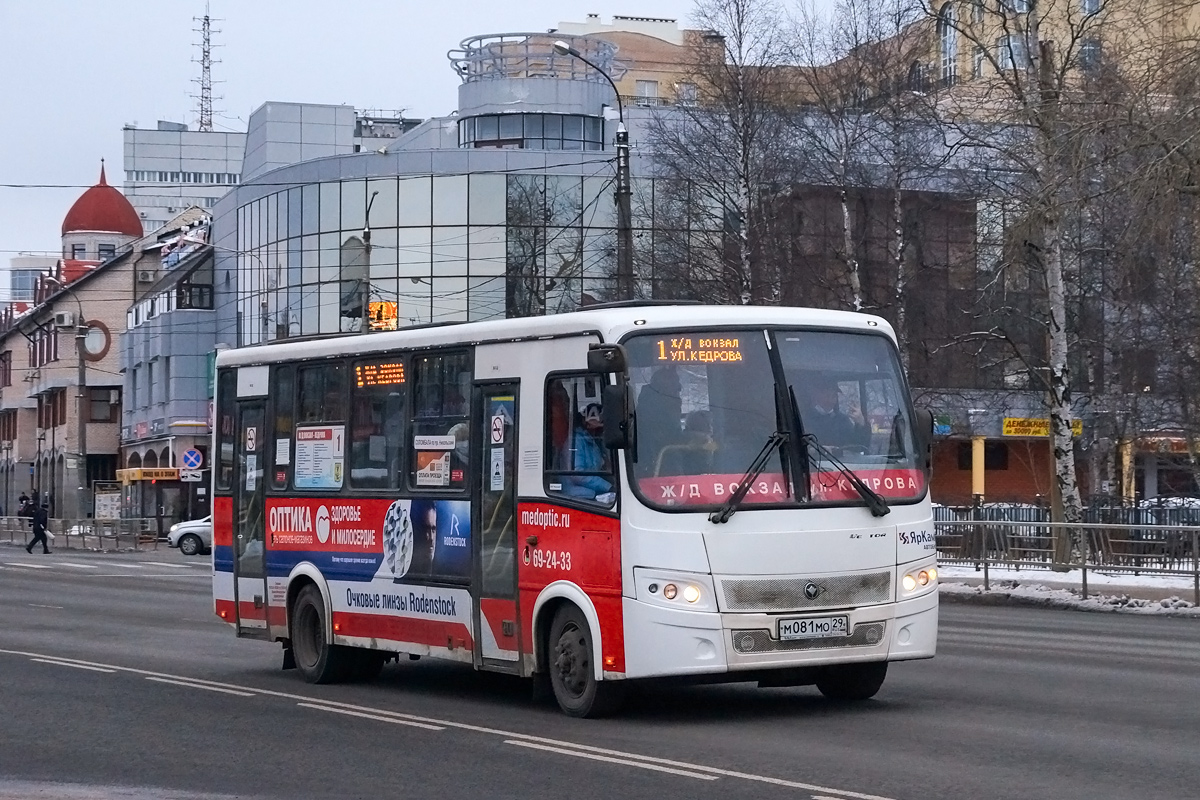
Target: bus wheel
<point>851,682</point>
<point>572,673</point>
<point>318,660</point>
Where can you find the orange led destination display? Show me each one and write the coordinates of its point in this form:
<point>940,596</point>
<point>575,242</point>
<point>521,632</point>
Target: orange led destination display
<point>700,349</point>
<point>385,374</point>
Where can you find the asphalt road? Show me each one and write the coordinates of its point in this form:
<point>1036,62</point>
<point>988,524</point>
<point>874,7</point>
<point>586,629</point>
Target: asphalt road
<point>118,682</point>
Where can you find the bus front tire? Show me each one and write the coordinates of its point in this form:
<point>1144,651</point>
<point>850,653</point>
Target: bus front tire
<point>852,682</point>
<point>316,659</point>
<point>572,672</point>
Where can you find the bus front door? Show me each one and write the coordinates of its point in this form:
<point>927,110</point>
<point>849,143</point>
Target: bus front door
<point>249,495</point>
<point>495,576</point>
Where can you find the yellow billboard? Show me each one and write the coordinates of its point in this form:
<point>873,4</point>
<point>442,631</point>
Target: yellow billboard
<point>1018,426</point>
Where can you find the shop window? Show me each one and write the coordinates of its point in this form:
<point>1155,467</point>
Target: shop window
<point>377,413</point>
<point>577,463</point>
<point>995,455</point>
<point>441,432</point>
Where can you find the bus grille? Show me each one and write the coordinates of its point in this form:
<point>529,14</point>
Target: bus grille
<point>867,634</point>
<point>788,594</point>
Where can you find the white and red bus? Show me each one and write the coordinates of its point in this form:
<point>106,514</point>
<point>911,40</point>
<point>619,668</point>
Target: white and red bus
<point>636,491</point>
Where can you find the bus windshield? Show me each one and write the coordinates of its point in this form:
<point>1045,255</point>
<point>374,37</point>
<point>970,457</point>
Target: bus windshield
<point>705,406</point>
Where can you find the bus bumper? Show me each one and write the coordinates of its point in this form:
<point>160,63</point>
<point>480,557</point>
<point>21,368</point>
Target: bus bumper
<point>663,641</point>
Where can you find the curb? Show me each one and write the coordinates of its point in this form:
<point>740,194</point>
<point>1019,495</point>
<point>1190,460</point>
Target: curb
<point>1111,604</point>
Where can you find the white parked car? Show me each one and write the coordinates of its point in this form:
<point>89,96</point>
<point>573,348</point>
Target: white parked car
<point>192,537</point>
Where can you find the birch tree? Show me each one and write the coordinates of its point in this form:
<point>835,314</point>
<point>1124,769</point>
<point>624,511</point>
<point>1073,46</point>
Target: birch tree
<point>723,151</point>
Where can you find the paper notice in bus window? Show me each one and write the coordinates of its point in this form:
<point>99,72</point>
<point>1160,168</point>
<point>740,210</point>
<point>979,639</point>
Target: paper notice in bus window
<point>283,452</point>
<point>251,472</point>
<point>433,468</point>
<point>433,442</point>
<point>497,471</point>
<point>319,457</point>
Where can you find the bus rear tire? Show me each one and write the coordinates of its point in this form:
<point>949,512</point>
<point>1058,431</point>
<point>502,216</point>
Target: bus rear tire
<point>572,673</point>
<point>316,659</point>
<point>849,683</point>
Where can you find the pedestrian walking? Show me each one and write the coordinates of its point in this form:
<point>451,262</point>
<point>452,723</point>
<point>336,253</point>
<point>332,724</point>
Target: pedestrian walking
<point>41,516</point>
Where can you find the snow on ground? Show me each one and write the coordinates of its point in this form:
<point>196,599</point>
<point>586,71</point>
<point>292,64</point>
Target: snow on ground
<point>1119,591</point>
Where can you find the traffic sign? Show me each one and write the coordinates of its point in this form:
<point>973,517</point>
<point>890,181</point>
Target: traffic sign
<point>193,458</point>
<point>191,475</point>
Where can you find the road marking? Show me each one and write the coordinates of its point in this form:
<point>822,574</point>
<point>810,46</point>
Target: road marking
<point>126,566</point>
<point>839,794</point>
<point>190,685</point>
<point>76,566</point>
<point>378,717</point>
<point>70,664</point>
<point>30,566</point>
<point>39,605</point>
<point>165,564</point>
<point>623,762</point>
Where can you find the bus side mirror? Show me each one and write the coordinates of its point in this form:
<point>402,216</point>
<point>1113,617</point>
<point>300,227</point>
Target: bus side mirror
<point>607,359</point>
<point>923,434</point>
<point>615,410</point>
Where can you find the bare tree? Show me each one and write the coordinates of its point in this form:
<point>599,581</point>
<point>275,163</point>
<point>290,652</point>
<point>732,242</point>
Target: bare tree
<point>723,153</point>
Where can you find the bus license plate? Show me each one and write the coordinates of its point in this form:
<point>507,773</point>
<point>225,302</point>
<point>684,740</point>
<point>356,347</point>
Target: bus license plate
<point>814,628</point>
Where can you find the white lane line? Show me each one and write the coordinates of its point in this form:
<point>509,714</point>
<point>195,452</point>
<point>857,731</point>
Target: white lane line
<point>378,717</point>
<point>69,664</point>
<point>165,564</point>
<point>76,566</point>
<point>190,685</point>
<point>623,762</point>
<point>40,605</point>
<point>30,566</point>
<point>841,794</point>
<point>124,566</point>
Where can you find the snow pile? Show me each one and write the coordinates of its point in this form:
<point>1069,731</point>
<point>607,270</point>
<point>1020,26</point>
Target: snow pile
<point>1017,593</point>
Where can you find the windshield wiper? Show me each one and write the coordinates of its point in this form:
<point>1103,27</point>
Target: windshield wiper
<point>726,511</point>
<point>875,501</point>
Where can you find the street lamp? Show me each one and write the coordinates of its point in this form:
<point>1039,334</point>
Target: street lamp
<point>81,334</point>
<point>625,277</point>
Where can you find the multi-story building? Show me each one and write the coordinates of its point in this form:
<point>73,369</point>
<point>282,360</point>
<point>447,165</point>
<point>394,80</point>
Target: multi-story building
<point>169,341</point>
<point>60,390</point>
<point>170,168</point>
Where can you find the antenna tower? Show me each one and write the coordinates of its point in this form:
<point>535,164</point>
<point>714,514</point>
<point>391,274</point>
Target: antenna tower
<point>205,98</point>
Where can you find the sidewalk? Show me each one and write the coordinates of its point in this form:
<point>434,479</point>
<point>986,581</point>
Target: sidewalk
<point>1172,595</point>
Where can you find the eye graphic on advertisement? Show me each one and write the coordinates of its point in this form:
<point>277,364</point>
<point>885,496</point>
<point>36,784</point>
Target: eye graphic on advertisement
<point>323,524</point>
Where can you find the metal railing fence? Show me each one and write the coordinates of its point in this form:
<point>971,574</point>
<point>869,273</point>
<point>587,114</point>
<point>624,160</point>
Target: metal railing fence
<point>87,534</point>
<point>1138,549</point>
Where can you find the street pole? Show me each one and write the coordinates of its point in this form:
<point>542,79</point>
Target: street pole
<point>625,276</point>
<point>81,330</point>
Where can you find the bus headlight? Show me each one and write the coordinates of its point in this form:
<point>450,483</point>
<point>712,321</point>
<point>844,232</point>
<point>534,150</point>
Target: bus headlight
<point>691,593</point>
<point>684,591</point>
<point>918,580</point>
<point>670,590</point>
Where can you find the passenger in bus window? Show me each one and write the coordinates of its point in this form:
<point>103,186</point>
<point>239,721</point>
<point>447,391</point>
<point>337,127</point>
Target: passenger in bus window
<point>588,454</point>
<point>659,416</point>
<point>825,419</point>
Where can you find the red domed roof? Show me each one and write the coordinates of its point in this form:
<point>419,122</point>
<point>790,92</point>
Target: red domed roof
<point>103,208</point>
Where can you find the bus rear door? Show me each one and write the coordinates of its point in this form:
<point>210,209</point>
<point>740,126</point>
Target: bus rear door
<point>495,500</point>
<point>249,505</point>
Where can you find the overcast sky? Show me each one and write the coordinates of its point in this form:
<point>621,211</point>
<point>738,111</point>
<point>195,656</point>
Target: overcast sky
<point>74,72</point>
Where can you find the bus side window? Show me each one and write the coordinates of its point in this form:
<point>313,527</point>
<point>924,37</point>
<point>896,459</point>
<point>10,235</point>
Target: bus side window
<point>578,465</point>
<point>323,393</point>
<point>377,413</point>
<point>441,429</point>
<point>284,396</point>
<point>226,423</point>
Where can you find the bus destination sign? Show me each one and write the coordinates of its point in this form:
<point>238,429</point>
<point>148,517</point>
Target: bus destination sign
<point>379,374</point>
<point>700,349</point>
